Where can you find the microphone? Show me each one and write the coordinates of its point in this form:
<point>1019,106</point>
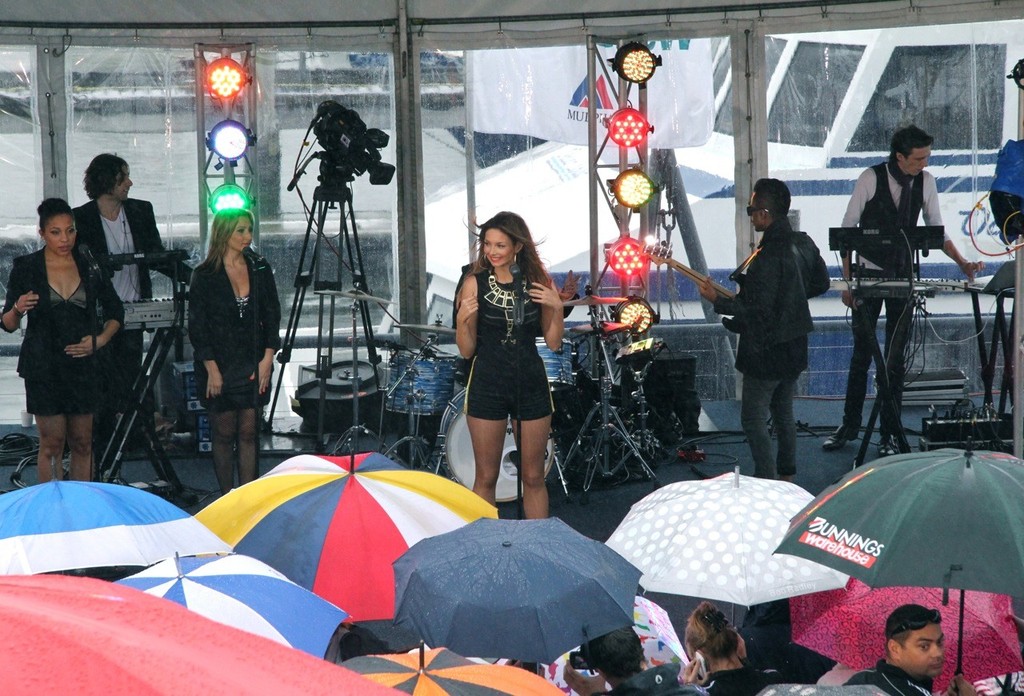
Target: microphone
<point>90,260</point>
<point>518,310</point>
<point>254,259</point>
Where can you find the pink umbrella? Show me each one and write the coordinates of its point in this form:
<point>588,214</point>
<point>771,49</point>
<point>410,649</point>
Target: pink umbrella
<point>848,625</point>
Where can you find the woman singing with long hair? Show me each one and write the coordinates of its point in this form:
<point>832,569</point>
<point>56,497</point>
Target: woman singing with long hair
<point>507,377</point>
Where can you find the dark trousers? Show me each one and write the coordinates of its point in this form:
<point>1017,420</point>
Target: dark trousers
<point>120,364</point>
<point>897,331</point>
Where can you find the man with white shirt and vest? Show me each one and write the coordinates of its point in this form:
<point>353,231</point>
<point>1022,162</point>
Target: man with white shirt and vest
<point>889,196</point>
<point>113,223</point>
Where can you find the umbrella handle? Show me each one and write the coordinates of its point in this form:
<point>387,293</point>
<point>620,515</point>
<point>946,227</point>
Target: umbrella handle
<point>960,639</point>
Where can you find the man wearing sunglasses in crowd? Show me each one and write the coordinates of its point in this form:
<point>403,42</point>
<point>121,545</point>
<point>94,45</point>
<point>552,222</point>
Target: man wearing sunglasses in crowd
<point>914,655</point>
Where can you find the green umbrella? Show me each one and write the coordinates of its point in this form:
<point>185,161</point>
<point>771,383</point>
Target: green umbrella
<point>945,518</point>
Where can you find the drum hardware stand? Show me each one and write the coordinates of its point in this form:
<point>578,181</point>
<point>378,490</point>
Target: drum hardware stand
<point>644,437</point>
<point>419,450</point>
<point>334,192</point>
<point>611,426</point>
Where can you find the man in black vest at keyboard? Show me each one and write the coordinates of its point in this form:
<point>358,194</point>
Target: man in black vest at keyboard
<point>113,223</point>
<point>888,196</point>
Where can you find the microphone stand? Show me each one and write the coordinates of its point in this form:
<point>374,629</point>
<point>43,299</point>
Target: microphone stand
<point>518,319</point>
<point>254,265</point>
<point>93,275</point>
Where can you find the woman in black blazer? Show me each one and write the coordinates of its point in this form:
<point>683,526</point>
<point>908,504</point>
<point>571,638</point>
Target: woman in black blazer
<point>234,321</point>
<point>55,288</point>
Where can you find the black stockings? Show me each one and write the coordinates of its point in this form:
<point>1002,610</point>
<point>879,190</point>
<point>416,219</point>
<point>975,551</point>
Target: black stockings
<point>234,431</point>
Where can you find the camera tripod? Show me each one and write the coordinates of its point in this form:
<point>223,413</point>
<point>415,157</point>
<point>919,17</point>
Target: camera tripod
<point>332,193</point>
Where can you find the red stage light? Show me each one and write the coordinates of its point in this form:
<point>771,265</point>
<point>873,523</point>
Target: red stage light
<point>628,128</point>
<point>225,78</point>
<point>626,258</point>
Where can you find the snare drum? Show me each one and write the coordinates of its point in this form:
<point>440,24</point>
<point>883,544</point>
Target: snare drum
<point>557,364</point>
<point>458,452</point>
<point>423,387</point>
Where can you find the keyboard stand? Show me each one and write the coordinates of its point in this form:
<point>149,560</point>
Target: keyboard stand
<point>110,463</point>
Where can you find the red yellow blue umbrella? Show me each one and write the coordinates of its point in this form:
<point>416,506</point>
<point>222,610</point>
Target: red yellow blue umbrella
<point>336,524</point>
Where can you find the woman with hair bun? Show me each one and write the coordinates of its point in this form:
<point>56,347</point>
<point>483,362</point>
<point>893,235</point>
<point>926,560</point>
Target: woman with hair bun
<point>55,288</point>
<point>718,656</point>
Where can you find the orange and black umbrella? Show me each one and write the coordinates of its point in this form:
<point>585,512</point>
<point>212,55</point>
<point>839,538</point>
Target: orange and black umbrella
<point>440,671</point>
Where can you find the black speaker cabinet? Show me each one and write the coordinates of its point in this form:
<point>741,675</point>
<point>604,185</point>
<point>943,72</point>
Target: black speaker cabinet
<point>669,386</point>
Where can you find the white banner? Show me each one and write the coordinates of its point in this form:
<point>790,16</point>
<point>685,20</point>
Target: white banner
<point>543,92</point>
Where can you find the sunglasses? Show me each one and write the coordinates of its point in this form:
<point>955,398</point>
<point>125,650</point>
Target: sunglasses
<point>751,210</point>
<point>933,617</point>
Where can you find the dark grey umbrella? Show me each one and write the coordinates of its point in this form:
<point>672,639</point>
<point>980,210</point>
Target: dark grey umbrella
<point>520,589</point>
<point>945,518</point>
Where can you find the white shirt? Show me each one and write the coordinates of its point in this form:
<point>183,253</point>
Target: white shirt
<point>119,241</point>
<point>864,191</point>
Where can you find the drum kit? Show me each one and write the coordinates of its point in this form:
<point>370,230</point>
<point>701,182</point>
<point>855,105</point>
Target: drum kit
<point>423,385</point>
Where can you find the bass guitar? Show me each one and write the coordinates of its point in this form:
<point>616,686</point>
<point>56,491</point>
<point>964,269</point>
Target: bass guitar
<point>661,253</point>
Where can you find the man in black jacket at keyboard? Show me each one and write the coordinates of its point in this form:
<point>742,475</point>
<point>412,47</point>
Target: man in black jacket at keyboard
<point>112,223</point>
<point>888,196</point>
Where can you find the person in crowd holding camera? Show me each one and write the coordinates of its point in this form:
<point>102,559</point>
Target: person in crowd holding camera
<point>234,322</point>
<point>618,660</point>
<point>718,656</point>
<point>507,376</point>
<point>59,292</point>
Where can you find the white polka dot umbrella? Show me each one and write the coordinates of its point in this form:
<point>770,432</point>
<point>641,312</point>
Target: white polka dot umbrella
<point>714,539</point>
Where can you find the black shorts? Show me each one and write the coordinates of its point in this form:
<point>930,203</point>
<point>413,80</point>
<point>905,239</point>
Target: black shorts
<point>73,395</point>
<point>494,398</point>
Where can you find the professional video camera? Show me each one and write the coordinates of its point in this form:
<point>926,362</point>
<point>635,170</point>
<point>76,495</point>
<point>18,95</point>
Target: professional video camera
<point>350,148</point>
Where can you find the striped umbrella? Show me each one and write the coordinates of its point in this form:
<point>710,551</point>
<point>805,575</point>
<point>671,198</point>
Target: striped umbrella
<point>336,524</point>
<point>440,671</point>
<point>69,525</point>
<point>245,593</point>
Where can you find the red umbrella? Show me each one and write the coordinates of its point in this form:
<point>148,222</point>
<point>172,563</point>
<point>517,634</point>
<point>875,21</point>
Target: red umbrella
<point>848,625</point>
<point>74,635</point>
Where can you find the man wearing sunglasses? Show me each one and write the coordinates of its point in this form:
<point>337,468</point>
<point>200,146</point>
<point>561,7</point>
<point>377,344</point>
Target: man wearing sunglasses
<point>914,655</point>
<point>771,315</point>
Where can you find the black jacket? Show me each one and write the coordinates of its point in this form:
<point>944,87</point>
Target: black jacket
<point>662,680</point>
<point>43,337</point>
<point>770,311</point>
<point>145,237</point>
<point>218,333</point>
<point>892,680</point>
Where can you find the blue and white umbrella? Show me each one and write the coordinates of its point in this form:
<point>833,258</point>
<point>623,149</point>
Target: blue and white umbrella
<point>246,593</point>
<point>69,525</point>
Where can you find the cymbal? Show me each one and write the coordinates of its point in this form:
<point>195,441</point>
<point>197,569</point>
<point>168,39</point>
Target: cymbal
<point>607,328</point>
<point>593,300</point>
<point>430,328</point>
<point>353,294</point>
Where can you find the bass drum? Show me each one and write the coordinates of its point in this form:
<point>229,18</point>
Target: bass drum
<point>458,452</point>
